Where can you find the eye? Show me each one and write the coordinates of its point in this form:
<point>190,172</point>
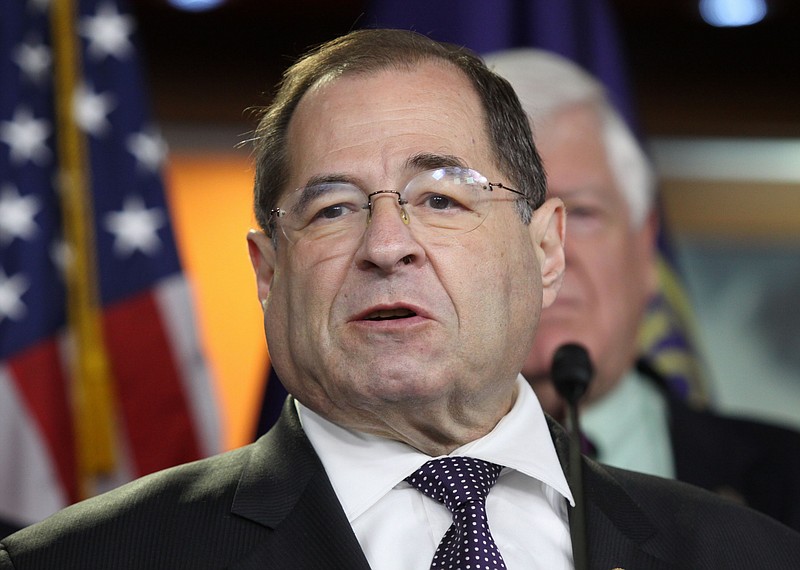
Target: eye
<point>444,193</point>
<point>440,202</point>
<point>328,203</point>
<point>585,218</point>
<point>583,212</point>
<point>333,212</point>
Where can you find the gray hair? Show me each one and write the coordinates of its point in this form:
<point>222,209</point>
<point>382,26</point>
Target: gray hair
<point>547,83</point>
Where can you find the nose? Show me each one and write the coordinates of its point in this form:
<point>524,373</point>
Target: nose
<point>388,242</point>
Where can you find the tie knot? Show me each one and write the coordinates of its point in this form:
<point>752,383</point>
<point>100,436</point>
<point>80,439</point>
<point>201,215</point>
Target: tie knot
<point>455,481</point>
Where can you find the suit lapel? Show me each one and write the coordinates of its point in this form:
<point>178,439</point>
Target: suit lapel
<point>619,532</point>
<point>284,487</point>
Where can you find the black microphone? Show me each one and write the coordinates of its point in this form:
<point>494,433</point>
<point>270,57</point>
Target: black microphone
<point>571,373</point>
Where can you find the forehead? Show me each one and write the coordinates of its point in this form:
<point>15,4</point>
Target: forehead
<point>575,156</point>
<point>368,125</point>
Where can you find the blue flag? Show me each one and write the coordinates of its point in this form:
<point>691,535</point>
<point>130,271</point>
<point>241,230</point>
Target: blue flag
<point>584,31</point>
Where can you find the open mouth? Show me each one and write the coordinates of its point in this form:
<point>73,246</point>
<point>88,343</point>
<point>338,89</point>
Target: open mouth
<point>390,314</point>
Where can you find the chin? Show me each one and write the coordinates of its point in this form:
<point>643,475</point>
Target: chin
<point>398,386</point>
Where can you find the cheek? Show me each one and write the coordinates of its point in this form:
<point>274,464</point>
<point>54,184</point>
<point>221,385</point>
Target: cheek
<point>603,258</point>
<point>301,292</point>
<point>621,283</point>
<point>474,281</point>
<point>497,272</point>
<point>518,275</point>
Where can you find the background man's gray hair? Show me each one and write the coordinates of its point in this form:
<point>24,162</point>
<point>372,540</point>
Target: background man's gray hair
<point>547,83</point>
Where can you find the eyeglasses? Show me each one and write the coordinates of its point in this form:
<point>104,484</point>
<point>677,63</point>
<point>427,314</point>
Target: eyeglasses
<point>443,201</point>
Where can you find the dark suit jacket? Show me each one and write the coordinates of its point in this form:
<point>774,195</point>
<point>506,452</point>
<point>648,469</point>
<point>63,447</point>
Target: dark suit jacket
<point>270,505</point>
<point>7,527</point>
<point>756,463</point>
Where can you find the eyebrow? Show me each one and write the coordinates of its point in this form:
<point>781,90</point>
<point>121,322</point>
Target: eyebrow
<point>318,185</point>
<point>421,161</point>
<point>428,161</point>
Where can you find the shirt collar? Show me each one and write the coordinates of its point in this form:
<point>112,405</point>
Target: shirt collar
<point>363,468</point>
<point>630,427</point>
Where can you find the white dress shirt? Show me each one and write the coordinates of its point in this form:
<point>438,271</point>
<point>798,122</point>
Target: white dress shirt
<point>630,427</point>
<point>399,528</point>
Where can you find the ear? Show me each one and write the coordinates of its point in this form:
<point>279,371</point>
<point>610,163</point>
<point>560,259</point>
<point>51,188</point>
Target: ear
<point>262,256</point>
<point>548,230</point>
<point>648,249</point>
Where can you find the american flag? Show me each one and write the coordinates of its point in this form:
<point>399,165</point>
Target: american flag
<point>101,376</point>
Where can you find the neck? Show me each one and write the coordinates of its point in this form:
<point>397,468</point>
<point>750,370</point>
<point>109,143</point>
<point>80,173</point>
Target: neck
<point>432,429</point>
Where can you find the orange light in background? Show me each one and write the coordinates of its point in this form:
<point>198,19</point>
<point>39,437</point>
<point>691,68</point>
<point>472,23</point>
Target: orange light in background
<point>211,200</point>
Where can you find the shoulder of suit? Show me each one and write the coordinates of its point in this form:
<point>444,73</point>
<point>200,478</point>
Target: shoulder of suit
<point>686,510</point>
<point>170,494</point>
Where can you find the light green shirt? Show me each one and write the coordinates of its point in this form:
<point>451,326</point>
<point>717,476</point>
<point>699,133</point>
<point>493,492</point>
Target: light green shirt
<point>630,427</point>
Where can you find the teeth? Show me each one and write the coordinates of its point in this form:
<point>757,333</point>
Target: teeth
<point>390,314</point>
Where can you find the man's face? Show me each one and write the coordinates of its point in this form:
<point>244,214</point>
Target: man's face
<point>468,304</point>
<point>610,271</point>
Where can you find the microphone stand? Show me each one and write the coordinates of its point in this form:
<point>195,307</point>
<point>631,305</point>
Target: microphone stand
<point>571,373</point>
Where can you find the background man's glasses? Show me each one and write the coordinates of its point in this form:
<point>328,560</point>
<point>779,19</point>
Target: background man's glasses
<point>443,201</point>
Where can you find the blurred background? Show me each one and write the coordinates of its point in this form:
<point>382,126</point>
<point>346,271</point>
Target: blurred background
<point>688,77</point>
<point>718,104</point>
<point>712,86</point>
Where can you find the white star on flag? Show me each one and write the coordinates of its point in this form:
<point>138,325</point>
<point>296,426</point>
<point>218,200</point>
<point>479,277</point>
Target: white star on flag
<point>108,33</point>
<point>34,59</point>
<point>11,290</point>
<point>135,227</point>
<point>149,148</point>
<point>26,136</point>
<point>91,110</point>
<point>16,215</point>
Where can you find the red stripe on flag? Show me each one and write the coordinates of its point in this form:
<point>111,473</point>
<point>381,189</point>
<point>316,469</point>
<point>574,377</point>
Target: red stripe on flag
<point>158,421</point>
<point>40,379</point>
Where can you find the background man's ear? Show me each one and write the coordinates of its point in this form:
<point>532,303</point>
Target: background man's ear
<point>262,257</point>
<point>648,248</point>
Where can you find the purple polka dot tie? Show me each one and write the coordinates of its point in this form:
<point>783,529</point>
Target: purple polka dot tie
<point>461,484</point>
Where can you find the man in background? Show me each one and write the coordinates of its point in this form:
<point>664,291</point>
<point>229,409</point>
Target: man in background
<point>596,166</point>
